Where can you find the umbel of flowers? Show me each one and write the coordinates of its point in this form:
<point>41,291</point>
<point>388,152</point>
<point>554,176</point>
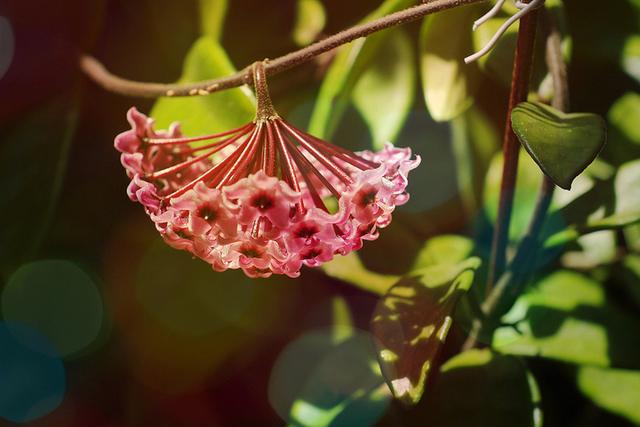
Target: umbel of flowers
<point>256,197</point>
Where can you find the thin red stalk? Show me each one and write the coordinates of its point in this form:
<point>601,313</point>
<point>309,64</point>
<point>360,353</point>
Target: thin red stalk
<point>186,140</point>
<point>523,61</point>
<point>285,157</point>
<point>335,169</point>
<point>305,166</point>
<point>224,141</point>
<point>339,152</point>
<point>180,166</point>
<point>212,172</point>
<point>243,160</point>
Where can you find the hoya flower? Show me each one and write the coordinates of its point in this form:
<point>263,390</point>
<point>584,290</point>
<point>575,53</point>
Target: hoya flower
<point>255,198</point>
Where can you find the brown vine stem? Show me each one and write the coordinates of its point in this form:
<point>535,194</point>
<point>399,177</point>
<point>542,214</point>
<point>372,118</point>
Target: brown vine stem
<point>511,282</point>
<point>520,78</point>
<point>96,71</point>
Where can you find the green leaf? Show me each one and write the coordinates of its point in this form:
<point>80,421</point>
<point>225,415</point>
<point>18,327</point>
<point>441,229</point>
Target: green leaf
<point>384,92</point>
<point>446,249</point>
<point>474,141</point>
<point>527,186</point>
<point>499,61</point>
<point>566,316</point>
<point>350,269</point>
<point>627,188</point>
<point>631,57</point>
<point>479,388</point>
<point>617,391</point>
<point>624,116</point>
<point>574,232</point>
<point>33,160</point>
<point>347,67</point>
<point>448,83</point>
<point>339,385</point>
<point>411,322</point>
<point>563,145</point>
<point>217,112</point>
<point>310,20</point>
<point>212,14</point>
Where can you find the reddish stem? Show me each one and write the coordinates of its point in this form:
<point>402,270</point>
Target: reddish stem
<point>521,75</point>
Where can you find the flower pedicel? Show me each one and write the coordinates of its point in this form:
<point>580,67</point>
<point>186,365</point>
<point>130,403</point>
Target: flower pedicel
<point>254,197</point>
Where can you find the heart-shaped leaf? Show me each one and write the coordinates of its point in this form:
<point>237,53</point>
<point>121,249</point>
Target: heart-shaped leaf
<point>563,145</point>
<point>411,322</point>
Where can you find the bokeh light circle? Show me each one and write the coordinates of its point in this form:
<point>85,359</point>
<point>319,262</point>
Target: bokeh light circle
<point>32,377</point>
<point>319,380</point>
<point>57,299</point>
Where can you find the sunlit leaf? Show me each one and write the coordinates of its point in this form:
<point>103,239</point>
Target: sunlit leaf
<point>566,316</point>
<point>33,159</point>
<point>563,145</point>
<point>217,112</point>
<point>448,83</point>
<point>617,391</point>
<point>212,13</point>
<point>347,67</point>
<point>478,388</point>
<point>446,249</point>
<point>384,92</point>
<point>310,20</point>
<point>350,269</point>
<point>411,322</point>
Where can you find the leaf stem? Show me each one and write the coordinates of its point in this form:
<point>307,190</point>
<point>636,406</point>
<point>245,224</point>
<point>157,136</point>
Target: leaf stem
<point>521,76</point>
<point>508,288</point>
<point>97,72</point>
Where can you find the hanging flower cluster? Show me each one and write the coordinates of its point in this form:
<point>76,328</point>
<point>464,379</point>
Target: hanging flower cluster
<point>256,197</point>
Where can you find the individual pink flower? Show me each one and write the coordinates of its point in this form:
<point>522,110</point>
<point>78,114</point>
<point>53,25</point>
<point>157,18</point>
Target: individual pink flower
<point>253,198</point>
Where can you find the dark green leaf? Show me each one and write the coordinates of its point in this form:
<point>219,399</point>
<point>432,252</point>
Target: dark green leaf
<point>566,316</point>
<point>217,112</point>
<point>310,20</point>
<point>448,83</point>
<point>347,67</point>
<point>481,389</point>
<point>411,322</point>
<point>384,93</point>
<point>563,145</point>
<point>33,159</point>
<point>617,391</point>
<point>212,13</point>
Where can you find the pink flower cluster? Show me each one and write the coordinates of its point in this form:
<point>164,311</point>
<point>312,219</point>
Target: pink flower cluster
<point>256,197</point>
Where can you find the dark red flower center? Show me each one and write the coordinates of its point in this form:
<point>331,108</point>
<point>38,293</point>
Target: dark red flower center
<point>366,196</point>
<point>262,201</point>
<point>306,231</point>
<point>208,213</point>
<point>251,251</point>
<point>311,253</point>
